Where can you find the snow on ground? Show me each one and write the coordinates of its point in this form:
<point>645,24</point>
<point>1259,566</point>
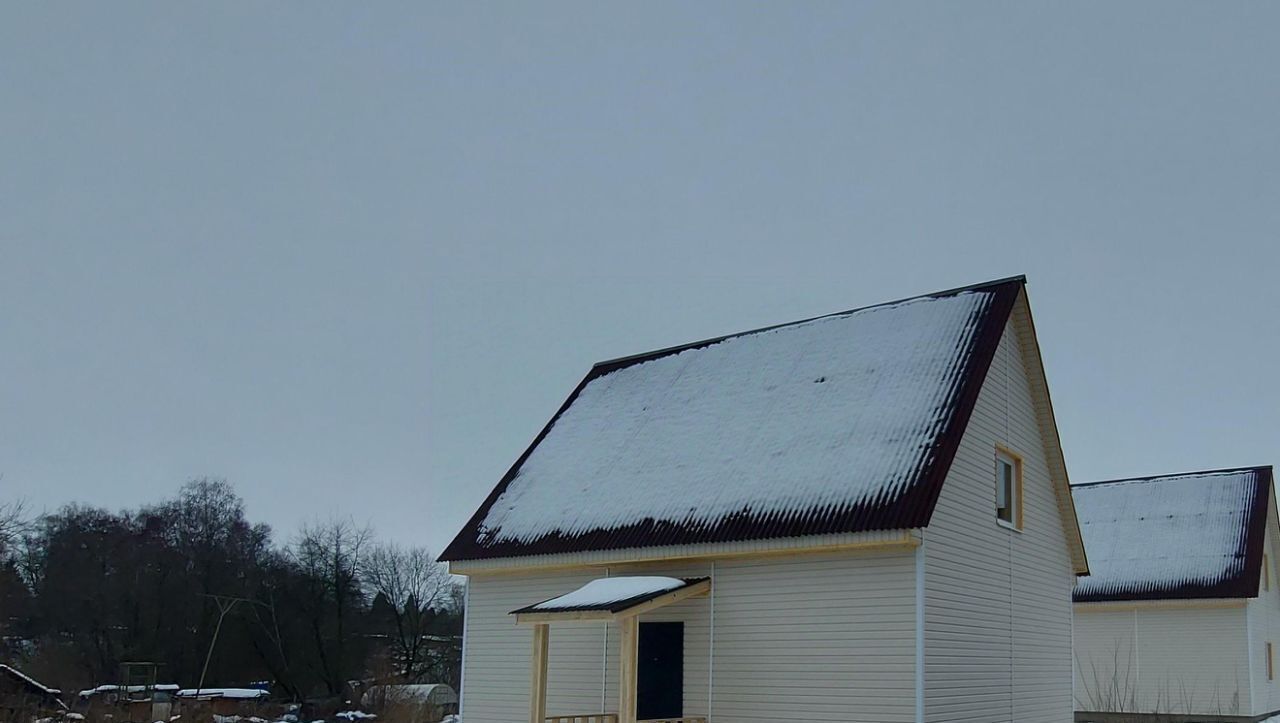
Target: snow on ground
<point>602,592</point>
<point>818,415</point>
<point>1164,532</point>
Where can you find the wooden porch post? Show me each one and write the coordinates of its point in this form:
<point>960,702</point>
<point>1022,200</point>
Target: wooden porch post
<point>538,674</point>
<point>629,659</point>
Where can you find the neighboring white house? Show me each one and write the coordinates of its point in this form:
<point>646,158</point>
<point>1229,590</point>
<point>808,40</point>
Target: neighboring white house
<point>1181,611</point>
<point>863,517</point>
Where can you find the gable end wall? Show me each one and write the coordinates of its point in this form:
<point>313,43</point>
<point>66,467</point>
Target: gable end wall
<point>1264,626</point>
<point>998,601</point>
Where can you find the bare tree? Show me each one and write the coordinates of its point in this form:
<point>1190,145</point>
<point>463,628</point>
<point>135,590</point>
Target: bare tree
<point>1109,684</point>
<point>413,585</point>
<point>329,556</point>
<point>14,597</point>
<point>13,522</point>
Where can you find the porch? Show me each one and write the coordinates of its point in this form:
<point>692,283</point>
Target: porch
<point>621,601</point>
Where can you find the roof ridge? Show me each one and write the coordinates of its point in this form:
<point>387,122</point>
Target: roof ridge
<point>1174,475</point>
<point>627,360</point>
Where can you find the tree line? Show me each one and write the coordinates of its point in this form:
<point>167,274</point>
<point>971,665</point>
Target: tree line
<point>84,589</point>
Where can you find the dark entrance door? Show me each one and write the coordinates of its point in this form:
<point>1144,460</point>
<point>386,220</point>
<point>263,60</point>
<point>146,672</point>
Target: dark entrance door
<point>660,673</point>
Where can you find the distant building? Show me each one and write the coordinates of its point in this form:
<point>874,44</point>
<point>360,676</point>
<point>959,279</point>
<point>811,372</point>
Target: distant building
<point>438,696</point>
<point>224,701</point>
<point>150,701</point>
<point>1181,612</point>
<point>21,696</point>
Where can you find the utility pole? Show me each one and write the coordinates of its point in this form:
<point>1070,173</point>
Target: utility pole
<point>225,604</point>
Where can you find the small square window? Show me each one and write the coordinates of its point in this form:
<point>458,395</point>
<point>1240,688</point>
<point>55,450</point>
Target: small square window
<point>1008,489</point>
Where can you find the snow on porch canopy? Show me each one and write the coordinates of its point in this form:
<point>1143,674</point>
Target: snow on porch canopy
<point>610,598</point>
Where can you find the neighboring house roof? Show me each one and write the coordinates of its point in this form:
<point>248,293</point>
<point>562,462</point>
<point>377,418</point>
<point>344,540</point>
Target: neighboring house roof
<point>839,424</point>
<point>1190,535</point>
<point>32,686</point>
<point>111,688</point>
<point>239,693</point>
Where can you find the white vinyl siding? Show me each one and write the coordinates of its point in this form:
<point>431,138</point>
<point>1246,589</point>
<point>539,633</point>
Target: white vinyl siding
<point>824,637</point>
<point>496,676</point>
<point>998,601</point>
<point>816,639</point>
<point>1162,658</point>
<point>1264,627</point>
<point>1105,661</point>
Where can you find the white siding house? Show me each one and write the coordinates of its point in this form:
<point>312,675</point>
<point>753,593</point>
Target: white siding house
<point>858,518</point>
<point>1182,609</point>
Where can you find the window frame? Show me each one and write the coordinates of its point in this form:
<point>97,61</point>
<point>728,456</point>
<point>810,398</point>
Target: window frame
<point>1266,572</point>
<point>1271,668</point>
<point>1003,456</point>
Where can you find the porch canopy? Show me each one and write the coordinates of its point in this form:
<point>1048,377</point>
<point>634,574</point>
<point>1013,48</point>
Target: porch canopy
<point>610,599</point>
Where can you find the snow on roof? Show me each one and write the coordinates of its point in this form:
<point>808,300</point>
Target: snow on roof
<point>605,591</point>
<point>1187,535</point>
<point>815,427</point>
<point>29,681</point>
<point>223,693</point>
<point>109,688</point>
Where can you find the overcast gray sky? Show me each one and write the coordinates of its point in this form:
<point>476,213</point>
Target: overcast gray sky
<point>352,256</point>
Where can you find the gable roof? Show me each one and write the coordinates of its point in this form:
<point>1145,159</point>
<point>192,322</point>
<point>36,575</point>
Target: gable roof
<point>1179,536</point>
<point>33,687</point>
<point>842,423</point>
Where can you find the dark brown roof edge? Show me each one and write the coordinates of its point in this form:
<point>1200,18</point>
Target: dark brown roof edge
<point>1242,585</point>
<point>616,606</point>
<point>913,509</point>
<point>462,542</point>
<point>924,496</point>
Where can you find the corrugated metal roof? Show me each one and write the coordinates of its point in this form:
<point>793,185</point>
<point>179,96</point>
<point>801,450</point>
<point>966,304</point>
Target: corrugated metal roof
<point>1190,535</point>
<point>844,423</point>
